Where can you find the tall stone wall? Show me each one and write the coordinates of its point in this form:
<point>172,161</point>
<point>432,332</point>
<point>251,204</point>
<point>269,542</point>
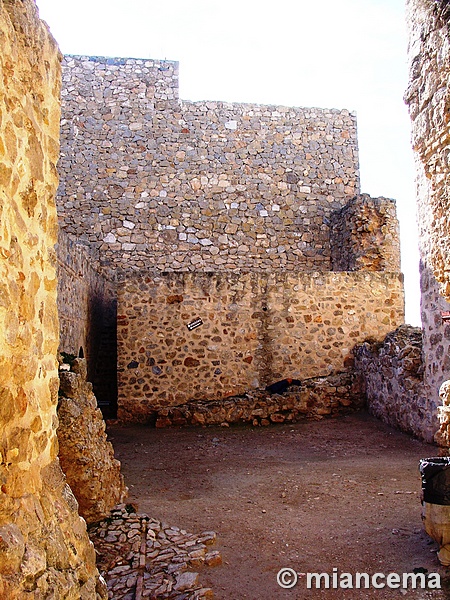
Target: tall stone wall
<point>197,186</point>
<point>86,301</point>
<point>44,548</point>
<point>428,99</point>
<point>253,329</point>
<point>239,196</point>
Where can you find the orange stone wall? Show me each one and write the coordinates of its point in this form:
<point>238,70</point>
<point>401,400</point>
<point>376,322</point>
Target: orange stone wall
<point>255,329</point>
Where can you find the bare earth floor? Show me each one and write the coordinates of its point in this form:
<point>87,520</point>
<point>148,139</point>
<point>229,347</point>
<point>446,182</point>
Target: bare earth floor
<point>340,493</point>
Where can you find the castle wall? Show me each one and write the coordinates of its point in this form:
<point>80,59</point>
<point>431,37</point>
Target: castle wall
<point>45,551</point>
<point>189,186</point>
<point>393,374</point>
<point>244,197</point>
<point>428,97</point>
<point>365,236</point>
<point>86,301</point>
<point>256,328</point>
<point>410,400</point>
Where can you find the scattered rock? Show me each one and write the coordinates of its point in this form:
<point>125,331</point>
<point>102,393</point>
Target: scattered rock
<point>186,581</point>
<point>141,557</point>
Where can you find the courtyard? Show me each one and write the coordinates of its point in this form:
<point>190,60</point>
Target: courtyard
<point>315,496</point>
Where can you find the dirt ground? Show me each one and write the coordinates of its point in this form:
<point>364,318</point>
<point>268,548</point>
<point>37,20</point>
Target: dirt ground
<point>340,493</point>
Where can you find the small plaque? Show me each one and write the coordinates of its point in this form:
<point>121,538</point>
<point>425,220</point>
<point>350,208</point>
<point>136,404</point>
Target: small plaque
<point>194,324</point>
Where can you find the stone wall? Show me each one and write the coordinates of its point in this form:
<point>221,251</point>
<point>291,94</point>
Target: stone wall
<point>254,329</point>
<point>86,301</point>
<point>428,99</point>
<point>86,456</point>
<point>436,335</point>
<point>44,548</point>
<point>314,398</point>
<point>197,186</point>
<point>365,236</point>
<point>393,376</point>
<point>240,196</point>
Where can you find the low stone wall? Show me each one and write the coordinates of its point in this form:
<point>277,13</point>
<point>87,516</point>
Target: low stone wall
<point>393,379</point>
<point>86,456</point>
<point>313,399</point>
<point>253,329</point>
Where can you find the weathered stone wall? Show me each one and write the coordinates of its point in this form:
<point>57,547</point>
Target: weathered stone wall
<point>393,376</point>
<point>428,99</point>
<point>365,236</point>
<point>256,329</point>
<point>197,186</point>
<point>405,397</point>
<point>315,398</point>
<point>86,456</point>
<point>436,333</point>
<point>44,548</point>
<point>225,191</point>
<point>86,300</point>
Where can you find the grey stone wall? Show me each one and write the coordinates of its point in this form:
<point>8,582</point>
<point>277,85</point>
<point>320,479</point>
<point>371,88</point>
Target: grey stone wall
<point>428,99</point>
<point>392,372</point>
<point>436,334</point>
<point>205,185</point>
<point>86,299</point>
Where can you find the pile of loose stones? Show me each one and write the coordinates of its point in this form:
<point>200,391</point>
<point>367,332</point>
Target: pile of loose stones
<point>141,557</point>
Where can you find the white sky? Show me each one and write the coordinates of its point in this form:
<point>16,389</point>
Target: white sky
<point>347,54</point>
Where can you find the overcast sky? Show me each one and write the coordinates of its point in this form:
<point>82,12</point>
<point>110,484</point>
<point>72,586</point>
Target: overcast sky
<point>347,54</point>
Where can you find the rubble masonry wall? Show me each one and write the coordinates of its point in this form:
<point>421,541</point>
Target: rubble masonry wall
<point>255,329</point>
<point>45,551</point>
<point>146,177</point>
<point>238,195</point>
<point>86,300</point>
<point>428,98</point>
<point>393,376</point>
